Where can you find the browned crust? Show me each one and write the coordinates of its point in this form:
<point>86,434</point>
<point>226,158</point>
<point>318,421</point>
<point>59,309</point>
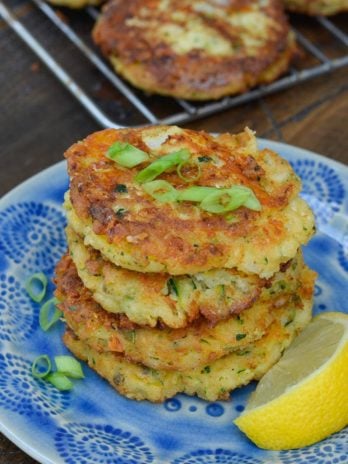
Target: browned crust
<point>70,292</point>
<point>154,66</point>
<point>153,284</point>
<point>85,316</point>
<point>200,242</point>
<point>317,7</point>
<point>160,347</point>
<point>70,287</point>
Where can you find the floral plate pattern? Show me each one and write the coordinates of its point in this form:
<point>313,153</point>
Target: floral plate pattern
<point>92,424</point>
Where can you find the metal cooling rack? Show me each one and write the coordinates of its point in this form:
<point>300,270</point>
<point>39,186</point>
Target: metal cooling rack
<point>184,111</point>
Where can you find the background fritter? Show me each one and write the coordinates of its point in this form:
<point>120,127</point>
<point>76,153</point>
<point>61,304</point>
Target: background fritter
<point>212,382</point>
<point>180,238</point>
<point>75,4</point>
<point>196,49</point>
<point>179,349</point>
<point>317,7</point>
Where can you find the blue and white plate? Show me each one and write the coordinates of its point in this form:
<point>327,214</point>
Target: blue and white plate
<point>92,424</point>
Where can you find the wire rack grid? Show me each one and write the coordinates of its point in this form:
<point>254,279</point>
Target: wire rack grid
<point>185,111</point>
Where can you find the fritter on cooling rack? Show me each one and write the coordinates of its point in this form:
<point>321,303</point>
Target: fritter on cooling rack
<point>75,4</point>
<point>317,7</point>
<point>196,49</point>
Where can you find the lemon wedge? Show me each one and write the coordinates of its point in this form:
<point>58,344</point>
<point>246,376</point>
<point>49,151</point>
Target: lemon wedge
<point>304,397</point>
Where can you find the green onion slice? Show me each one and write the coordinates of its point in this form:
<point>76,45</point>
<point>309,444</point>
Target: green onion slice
<point>225,200</point>
<point>41,366</point>
<point>36,286</point>
<point>252,202</point>
<point>49,314</point>
<point>126,155</point>
<point>195,193</point>
<point>161,190</point>
<point>60,381</point>
<point>69,366</point>
<point>194,164</point>
<point>161,164</point>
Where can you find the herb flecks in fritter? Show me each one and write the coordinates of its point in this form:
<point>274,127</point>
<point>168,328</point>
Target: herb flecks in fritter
<point>179,237</point>
<point>197,50</point>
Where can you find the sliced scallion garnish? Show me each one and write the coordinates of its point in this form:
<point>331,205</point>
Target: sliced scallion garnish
<point>41,366</point>
<point>193,164</point>
<point>212,199</point>
<point>161,190</point>
<point>195,193</point>
<point>36,286</point>
<point>69,366</point>
<point>225,200</point>
<point>60,381</point>
<point>162,164</point>
<point>49,314</point>
<point>252,202</point>
<point>126,155</point>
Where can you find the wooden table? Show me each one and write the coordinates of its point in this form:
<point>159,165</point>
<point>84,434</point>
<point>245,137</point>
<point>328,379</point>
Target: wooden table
<point>39,120</point>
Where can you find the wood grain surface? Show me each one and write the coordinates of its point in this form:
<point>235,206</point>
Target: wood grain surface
<point>39,119</point>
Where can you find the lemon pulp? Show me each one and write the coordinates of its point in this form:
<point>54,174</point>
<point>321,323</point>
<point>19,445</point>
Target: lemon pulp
<point>304,397</point>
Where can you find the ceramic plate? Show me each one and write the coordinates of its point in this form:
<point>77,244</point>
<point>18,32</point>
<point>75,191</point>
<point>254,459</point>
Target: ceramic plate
<point>92,423</point>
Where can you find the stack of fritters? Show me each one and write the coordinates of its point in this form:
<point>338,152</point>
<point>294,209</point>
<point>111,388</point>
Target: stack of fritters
<point>165,297</point>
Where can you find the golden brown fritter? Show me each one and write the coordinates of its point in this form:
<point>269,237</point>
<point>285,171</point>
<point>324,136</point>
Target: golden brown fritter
<point>196,49</point>
<point>212,382</point>
<point>153,298</point>
<point>149,298</point>
<point>136,232</point>
<point>176,349</point>
<point>317,7</point>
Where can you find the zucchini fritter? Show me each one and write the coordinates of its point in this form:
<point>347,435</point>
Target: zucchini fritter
<point>212,382</point>
<point>317,7</point>
<point>152,298</point>
<point>176,349</point>
<point>136,232</point>
<point>196,50</point>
